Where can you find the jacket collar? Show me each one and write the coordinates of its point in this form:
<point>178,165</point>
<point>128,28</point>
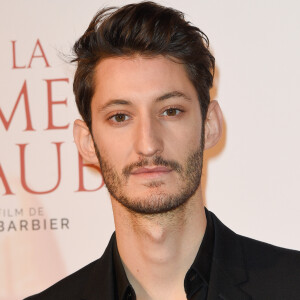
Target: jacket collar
<point>228,268</point>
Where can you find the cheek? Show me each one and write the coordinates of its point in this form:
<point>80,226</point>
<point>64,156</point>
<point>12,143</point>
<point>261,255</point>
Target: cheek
<point>114,148</point>
<point>195,129</point>
<point>181,145</point>
<point>189,134</point>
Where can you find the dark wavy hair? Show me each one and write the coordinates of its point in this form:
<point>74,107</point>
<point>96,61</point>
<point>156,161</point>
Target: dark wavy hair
<point>147,29</point>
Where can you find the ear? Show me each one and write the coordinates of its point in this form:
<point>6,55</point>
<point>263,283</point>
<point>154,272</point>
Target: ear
<point>84,142</point>
<point>213,125</point>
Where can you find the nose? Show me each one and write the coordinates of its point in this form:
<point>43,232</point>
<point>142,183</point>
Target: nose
<point>148,139</point>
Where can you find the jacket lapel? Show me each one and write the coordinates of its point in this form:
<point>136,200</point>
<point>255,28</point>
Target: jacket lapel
<point>228,269</point>
<point>222,287</point>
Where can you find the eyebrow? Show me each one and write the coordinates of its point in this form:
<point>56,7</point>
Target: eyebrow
<point>174,94</point>
<point>114,102</point>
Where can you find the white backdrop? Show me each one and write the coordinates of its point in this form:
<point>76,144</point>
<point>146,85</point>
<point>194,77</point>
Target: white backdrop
<point>250,179</point>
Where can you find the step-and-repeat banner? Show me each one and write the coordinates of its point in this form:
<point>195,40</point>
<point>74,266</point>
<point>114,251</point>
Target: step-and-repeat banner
<point>55,212</point>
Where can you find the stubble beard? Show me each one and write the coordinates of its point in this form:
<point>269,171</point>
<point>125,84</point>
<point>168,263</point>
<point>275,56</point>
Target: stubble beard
<point>156,202</point>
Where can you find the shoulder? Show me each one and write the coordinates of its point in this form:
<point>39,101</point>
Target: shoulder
<point>256,252</point>
<point>68,288</point>
<point>269,257</point>
<point>272,270</point>
<point>268,271</point>
<point>97,277</point>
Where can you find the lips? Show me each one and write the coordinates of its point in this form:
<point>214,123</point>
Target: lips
<point>151,170</point>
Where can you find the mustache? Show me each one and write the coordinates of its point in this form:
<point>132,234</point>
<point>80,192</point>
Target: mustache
<point>156,161</point>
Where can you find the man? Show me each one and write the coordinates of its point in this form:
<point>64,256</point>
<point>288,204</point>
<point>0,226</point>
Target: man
<point>142,88</point>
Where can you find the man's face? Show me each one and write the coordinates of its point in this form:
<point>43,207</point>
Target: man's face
<point>147,130</point>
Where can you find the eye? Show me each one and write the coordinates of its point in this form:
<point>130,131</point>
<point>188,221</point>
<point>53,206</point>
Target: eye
<point>171,112</point>
<point>119,118</point>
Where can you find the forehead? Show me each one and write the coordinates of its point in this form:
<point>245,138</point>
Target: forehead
<point>140,77</point>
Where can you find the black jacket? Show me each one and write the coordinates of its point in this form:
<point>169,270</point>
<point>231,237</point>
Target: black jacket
<point>242,268</point>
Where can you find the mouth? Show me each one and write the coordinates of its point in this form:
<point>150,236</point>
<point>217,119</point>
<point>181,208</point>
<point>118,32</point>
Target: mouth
<point>151,172</point>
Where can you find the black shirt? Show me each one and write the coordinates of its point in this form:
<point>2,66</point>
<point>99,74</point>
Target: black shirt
<point>196,280</point>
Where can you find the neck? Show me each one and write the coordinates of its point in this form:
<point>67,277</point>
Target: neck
<point>158,250</point>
